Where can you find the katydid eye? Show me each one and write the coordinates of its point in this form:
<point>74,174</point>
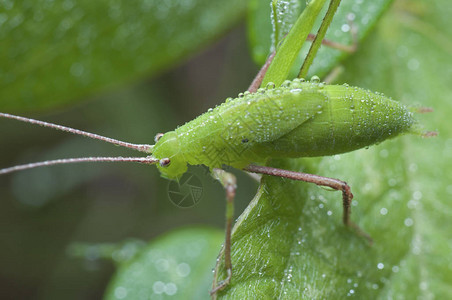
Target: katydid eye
<point>157,137</point>
<point>165,162</point>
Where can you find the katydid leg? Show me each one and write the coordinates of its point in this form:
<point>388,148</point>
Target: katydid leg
<point>261,74</point>
<point>229,182</point>
<point>342,47</point>
<point>333,183</point>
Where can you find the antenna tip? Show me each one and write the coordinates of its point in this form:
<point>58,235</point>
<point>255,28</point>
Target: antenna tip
<point>428,134</point>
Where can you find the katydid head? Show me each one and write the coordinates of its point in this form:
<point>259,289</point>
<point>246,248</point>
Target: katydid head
<point>172,163</point>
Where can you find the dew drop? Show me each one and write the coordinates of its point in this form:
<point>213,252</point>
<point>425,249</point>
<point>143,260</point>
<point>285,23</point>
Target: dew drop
<point>315,79</point>
<point>77,69</point>
<point>170,288</point>
<point>158,287</point>
<point>413,64</point>
<point>183,269</point>
<point>286,83</point>
<point>417,195</point>
<point>408,222</point>
<point>270,85</point>
<point>345,28</point>
<point>120,292</point>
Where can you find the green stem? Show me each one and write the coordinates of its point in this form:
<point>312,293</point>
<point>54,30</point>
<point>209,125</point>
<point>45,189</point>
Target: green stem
<point>319,37</point>
<point>275,20</point>
<point>292,43</point>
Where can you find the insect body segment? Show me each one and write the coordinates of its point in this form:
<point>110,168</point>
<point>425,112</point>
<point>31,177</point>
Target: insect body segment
<point>298,119</point>
<point>350,118</point>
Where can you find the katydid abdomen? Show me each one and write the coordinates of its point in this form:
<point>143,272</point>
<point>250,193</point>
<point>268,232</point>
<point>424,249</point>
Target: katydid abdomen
<point>351,118</point>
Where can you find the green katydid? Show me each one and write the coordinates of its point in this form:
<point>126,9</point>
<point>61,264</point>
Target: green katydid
<point>297,119</point>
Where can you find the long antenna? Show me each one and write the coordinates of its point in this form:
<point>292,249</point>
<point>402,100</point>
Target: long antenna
<point>140,147</point>
<point>143,160</point>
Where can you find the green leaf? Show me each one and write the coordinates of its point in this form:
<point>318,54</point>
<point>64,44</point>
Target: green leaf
<point>365,15</point>
<point>290,242</point>
<point>263,33</point>
<point>177,265</point>
<point>259,29</point>
<point>55,53</point>
<point>413,49</point>
<point>287,53</point>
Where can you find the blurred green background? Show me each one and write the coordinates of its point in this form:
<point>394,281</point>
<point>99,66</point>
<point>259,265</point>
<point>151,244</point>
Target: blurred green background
<point>130,96</point>
<point>131,69</point>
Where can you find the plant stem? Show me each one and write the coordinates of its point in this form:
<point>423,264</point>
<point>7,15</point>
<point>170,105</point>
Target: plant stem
<point>290,47</point>
<point>318,39</point>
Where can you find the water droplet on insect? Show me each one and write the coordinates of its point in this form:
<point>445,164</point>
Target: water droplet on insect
<point>261,90</point>
<point>315,79</point>
<point>296,91</point>
<point>286,83</point>
<point>228,99</point>
<point>270,85</point>
<point>380,266</point>
<point>241,95</point>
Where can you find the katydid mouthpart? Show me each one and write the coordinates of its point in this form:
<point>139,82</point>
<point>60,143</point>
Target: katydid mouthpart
<point>298,119</point>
